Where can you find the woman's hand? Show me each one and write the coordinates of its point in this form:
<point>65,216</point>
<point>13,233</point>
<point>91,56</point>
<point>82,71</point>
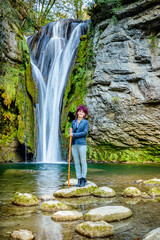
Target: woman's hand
<point>70,132</point>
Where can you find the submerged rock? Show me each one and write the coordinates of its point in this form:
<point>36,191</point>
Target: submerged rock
<point>152,182</point>
<point>95,229</point>
<point>47,198</point>
<point>145,195</point>
<point>74,182</point>
<point>76,191</point>
<point>104,192</point>
<point>67,216</point>
<point>53,206</point>
<point>132,201</point>
<point>131,192</point>
<point>140,181</point>
<point>108,213</point>
<point>22,234</point>
<point>154,192</point>
<point>153,235</point>
<point>25,199</point>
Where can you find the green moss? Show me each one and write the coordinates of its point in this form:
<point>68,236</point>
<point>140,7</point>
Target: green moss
<point>154,191</point>
<point>25,199</point>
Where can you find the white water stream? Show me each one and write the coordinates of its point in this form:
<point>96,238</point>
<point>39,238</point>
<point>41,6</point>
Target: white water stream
<point>51,59</point>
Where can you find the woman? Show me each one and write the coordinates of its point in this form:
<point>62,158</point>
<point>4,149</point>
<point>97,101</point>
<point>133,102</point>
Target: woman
<point>78,131</point>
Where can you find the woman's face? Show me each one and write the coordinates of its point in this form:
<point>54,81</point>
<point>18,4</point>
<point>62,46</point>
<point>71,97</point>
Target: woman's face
<point>81,114</point>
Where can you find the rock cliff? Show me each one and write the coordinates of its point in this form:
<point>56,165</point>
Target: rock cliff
<point>124,95</point>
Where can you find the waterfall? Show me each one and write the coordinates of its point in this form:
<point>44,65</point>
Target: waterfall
<point>52,50</point>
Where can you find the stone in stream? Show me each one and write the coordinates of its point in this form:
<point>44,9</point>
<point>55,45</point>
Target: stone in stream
<point>95,229</point>
<point>154,192</point>
<point>74,182</point>
<point>67,216</point>
<point>108,213</point>
<point>46,198</point>
<point>22,234</point>
<point>145,195</point>
<point>153,235</point>
<point>152,182</point>
<point>75,191</point>
<point>131,192</point>
<point>53,206</point>
<point>104,192</point>
<point>25,199</point>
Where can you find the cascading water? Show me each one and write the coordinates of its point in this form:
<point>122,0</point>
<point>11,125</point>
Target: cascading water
<point>52,51</point>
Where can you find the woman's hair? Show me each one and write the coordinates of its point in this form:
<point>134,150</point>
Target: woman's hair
<point>81,107</point>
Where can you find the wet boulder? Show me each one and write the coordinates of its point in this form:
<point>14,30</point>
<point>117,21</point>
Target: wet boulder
<point>67,216</point>
<point>152,182</point>
<point>153,235</point>
<point>45,198</point>
<point>95,229</point>
<point>22,234</point>
<point>75,191</point>
<point>104,192</point>
<point>53,206</point>
<point>108,214</point>
<point>131,192</point>
<point>25,199</point>
<point>154,192</point>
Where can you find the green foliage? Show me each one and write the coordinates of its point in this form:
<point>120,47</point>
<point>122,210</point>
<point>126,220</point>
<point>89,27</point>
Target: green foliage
<point>100,10</point>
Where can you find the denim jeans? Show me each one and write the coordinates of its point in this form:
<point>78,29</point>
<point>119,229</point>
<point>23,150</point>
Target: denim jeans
<point>79,156</point>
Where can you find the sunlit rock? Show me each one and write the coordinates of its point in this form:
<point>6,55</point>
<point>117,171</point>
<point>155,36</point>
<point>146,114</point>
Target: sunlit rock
<point>67,216</point>
<point>75,191</point>
<point>154,192</point>
<point>145,195</point>
<point>74,182</point>
<point>131,192</point>
<point>25,199</point>
<point>47,198</point>
<point>140,181</point>
<point>152,182</point>
<point>104,192</point>
<point>22,234</point>
<point>153,235</point>
<point>108,213</point>
<point>53,206</point>
<point>95,229</point>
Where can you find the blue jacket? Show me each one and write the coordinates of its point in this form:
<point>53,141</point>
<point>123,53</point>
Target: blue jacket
<point>80,132</point>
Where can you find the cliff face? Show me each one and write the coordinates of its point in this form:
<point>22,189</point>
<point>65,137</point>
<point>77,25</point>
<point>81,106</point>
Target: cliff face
<point>124,96</point>
<point>17,96</point>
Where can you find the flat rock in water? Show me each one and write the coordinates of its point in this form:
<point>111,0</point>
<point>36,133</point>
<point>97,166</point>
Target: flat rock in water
<point>46,198</point>
<point>95,229</point>
<point>51,206</point>
<point>67,216</point>
<point>22,234</point>
<point>104,192</point>
<point>75,191</point>
<point>25,199</point>
<point>153,235</point>
<point>131,192</point>
<point>152,182</point>
<point>108,213</point>
<point>74,182</point>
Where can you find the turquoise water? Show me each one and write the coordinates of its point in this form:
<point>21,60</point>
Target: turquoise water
<point>41,179</point>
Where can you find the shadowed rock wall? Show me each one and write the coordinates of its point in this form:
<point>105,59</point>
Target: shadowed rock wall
<point>124,96</point>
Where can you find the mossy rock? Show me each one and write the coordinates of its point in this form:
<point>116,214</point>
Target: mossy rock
<point>153,235</point>
<point>53,206</point>
<point>46,198</point>
<point>108,214</point>
<point>25,199</point>
<point>154,192</point>
<point>22,234</point>
<point>95,229</point>
<point>75,191</point>
<point>145,195</point>
<point>104,192</point>
<point>67,216</point>
<point>152,182</point>
<point>131,192</point>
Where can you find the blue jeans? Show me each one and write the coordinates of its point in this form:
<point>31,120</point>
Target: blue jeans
<point>79,156</point>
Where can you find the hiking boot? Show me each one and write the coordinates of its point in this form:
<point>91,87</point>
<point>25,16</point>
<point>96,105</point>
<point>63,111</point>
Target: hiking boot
<point>83,182</point>
<point>79,182</point>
